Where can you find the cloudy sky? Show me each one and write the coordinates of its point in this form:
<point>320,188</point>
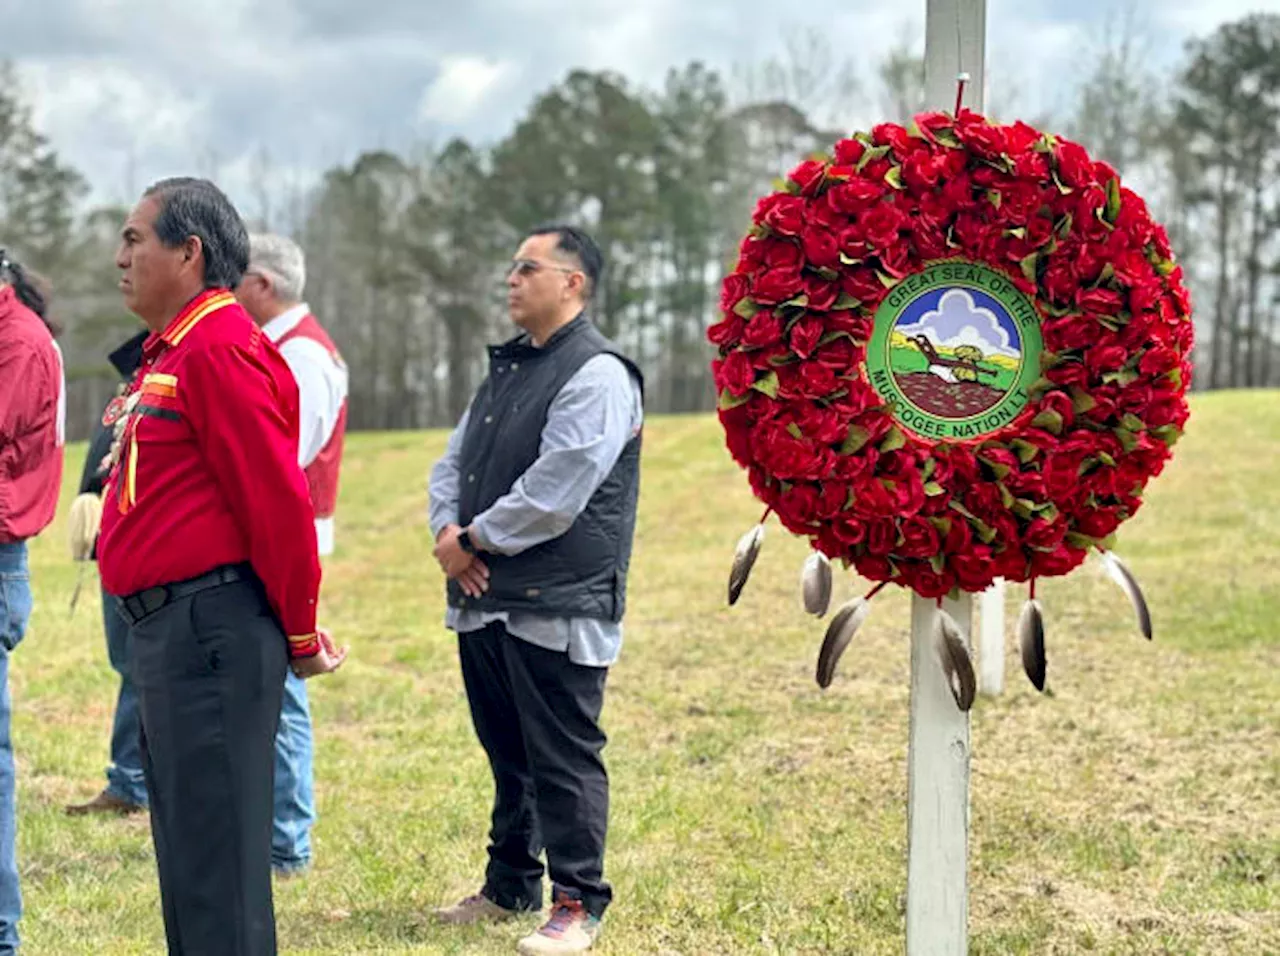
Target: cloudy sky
<point>131,90</point>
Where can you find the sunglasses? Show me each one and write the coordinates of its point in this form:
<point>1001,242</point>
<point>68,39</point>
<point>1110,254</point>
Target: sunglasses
<point>528,267</point>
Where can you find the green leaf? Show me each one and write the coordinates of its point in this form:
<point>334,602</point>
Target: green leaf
<point>1024,508</point>
<point>1106,459</point>
<point>941,525</point>
<point>849,500</point>
<point>768,385</point>
<point>1049,511</point>
<point>846,301</point>
<point>1175,376</point>
<point>1049,420</point>
<point>937,562</point>
<point>799,302</point>
<point>1037,388</point>
<point>1133,422</point>
<point>947,138</point>
<point>1128,440</point>
<point>1123,377</point>
<point>1063,227</point>
<point>951,238</point>
<point>930,466</point>
<point>728,400</point>
<point>986,533</point>
<point>1006,496</point>
<point>1024,449</point>
<point>1113,200</point>
<point>1169,434</point>
<point>894,177</point>
<point>831,275</point>
<point>1064,189</point>
<point>1028,265</point>
<point>1082,401</point>
<point>745,308</point>
<point>1081,542</point>
<point>1108,273</point>
<point>875,152</point>
<point>894,440</point>
<point>933,489</point>
<point>1000,471</point>
<point>886,280</point>
<point>1018,232</point>
<point>849,260</point>
<point>794,431</point>
<point>1165,266</point>
<point>994,197</point>
<point>829,337</point>
<point>854,440</point>
<point>1050,360</point>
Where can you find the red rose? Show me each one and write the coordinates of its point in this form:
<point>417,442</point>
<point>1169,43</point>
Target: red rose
<point>1068,373</point>
<point>1074,166</point>
<point>770,358</point>
<point>1001,461</point>
<point>822,214</point>
<point>820,424</point>
<point>1021,137</point>
<point>894,259</point>
<point>930,242</point>
<point>777,285</point>
<point>1105,358</point>
<point>1158,361</point>
<point>849,151</point>
<point>864,285</point>
<point>1031,167</point>
<point>808,176</point>
<point>882,224</point>
<point>856,195</point>
<point>822,294</point>
<point>882,536</point>
<point>929,584</point>
<point>1010,564</point>
<point>1069,332</point>
<point>1039,232</point>
<point>765,328</point>
<point>957,193</point>
<point>818,381</point>
<point>895,137</point>
<point>931,124</point>
<point>799,504</point>
<point>1060,403</point>
<point>973,569</point>
<point>908,491</point>
<point>733,290</point>
<point>983,139</point>
<point>919,539</point>
<point>821,248</point>
<point>921,172</point>
<point>782,254</point>
<point>873,567</point>
<point>805,335</point>
<point>832,499</point>
<point>1090,202</point>
<point>1100,301</point>
<point>735,373</point>
<point>838,355</point>
<point>959,537</point>
<point>1098,522</point>
<point>786,216</point>
<point>751,254</point>
<point>859,326</point>
<point>852,243</point>
<point>850,531</point>
<point>786,457</point>
<point>983,499</point>
<point>1045,535</point>
<point>726,333</point>
<point>1060,561</point>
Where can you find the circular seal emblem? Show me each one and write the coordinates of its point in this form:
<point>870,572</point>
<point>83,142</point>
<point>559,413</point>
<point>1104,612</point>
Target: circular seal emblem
<point>955,350</point>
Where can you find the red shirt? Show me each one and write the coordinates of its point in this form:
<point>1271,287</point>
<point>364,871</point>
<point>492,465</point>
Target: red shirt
<point>31,417</point>
<point>208,471</point>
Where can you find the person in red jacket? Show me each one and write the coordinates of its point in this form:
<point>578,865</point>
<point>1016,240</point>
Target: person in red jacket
<point>208,544</point>
<point>32,421</point>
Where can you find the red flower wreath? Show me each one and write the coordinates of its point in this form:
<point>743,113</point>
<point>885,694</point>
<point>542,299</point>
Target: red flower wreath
<point>833,458</point>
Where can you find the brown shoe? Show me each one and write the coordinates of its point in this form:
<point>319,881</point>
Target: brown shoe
<point>105,802</point>
<point>475,909</point>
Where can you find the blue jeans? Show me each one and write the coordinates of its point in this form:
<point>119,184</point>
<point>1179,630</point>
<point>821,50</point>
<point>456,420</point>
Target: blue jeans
<point>15,611</point>
<point>124,775</point>
<point>295,810</point>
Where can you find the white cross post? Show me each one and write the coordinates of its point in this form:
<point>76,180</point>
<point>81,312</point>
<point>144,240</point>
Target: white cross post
<point>938,773</point>
<point>991,638</point>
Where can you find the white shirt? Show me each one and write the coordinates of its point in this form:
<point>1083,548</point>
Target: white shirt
<point>322,388</point>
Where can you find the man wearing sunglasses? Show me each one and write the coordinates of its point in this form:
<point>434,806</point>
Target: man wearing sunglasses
<point>533,508</point>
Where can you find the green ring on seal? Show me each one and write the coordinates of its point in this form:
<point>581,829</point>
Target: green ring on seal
<point>918,396</point>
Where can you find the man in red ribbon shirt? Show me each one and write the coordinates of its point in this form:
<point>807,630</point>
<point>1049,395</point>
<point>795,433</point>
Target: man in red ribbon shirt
<point>208,544</point>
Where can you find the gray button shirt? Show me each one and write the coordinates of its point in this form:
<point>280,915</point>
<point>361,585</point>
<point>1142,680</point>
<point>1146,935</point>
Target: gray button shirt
<point>588,424</point>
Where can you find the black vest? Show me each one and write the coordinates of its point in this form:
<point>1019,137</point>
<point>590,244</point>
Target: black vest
<point>583,572</point>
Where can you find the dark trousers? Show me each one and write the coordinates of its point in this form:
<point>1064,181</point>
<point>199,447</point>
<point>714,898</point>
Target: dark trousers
<point>536,714</point>
<point>210,672</point>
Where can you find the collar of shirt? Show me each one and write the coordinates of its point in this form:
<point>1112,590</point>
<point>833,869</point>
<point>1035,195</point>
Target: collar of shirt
<point>278,327</point>
<point>207,302</point>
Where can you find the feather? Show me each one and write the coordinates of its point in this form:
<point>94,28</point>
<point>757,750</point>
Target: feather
<point>956,663</point>
<point>840,632</point>
<point>815,583</point>
<point>82,525</point>
<point>1031,639</point>
<point>744,558</point>
<point>1120,573</point>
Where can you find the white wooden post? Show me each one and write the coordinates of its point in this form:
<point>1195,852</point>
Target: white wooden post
<point>938,781</point>
<point>991,638</point>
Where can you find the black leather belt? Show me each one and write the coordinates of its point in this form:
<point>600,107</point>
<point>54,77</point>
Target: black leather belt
<point>134,607</point>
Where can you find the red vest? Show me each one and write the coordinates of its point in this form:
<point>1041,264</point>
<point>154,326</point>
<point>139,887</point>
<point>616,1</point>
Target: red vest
<point>322,474</point>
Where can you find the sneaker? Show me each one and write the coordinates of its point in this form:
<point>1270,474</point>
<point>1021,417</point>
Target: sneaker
<point>477,908</point>
<point>107,803</point>
<point>569,930</point>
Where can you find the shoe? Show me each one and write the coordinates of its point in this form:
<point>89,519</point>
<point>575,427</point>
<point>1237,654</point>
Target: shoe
<point>569,930</point>
<point>290,871</point>
<point>105,802</point>
<point>477,908</point>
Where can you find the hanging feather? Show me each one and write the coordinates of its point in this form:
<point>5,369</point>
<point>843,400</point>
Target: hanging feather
<point>840,631</point>
<point>956,663</point>
<point>744,558</point>
<point>1120,573</point>
<point>1031,639</point>
<point>815,583</point>
<point>83,521</point>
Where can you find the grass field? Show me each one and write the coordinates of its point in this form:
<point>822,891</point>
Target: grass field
<point>1135,809</point>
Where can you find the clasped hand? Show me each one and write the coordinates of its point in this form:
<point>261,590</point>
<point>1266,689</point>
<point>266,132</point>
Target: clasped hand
<point>469,571</point>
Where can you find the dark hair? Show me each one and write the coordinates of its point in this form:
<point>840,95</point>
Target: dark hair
<point>32,290</point>
<point>196,207</point>
<point>578,244</point>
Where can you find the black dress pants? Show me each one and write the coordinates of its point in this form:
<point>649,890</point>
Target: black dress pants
<point>536,714</point>
<point>210,672</point>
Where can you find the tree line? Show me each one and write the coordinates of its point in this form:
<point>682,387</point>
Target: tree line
<point>406,251</point>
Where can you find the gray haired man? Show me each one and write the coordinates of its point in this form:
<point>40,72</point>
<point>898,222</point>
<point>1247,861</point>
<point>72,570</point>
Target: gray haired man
<point>271,292</point>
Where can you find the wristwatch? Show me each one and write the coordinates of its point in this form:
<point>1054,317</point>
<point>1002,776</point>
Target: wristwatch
<point>465,543</point>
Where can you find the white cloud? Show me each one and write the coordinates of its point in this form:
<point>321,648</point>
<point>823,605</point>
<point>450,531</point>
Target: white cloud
<point>959,320</point>
<point>463,86</point>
